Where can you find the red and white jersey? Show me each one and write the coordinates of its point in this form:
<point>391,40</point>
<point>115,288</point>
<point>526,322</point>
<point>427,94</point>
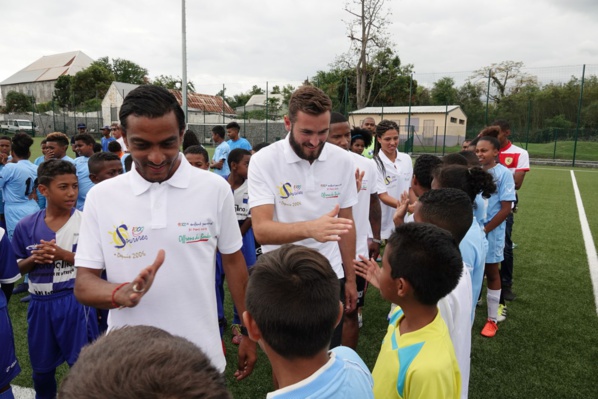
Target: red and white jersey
<point>514,158</point>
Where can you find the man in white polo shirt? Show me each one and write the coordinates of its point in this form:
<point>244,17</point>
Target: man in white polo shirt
<point>163,203</point>
<point>365,212</point>
<point>298,186</point>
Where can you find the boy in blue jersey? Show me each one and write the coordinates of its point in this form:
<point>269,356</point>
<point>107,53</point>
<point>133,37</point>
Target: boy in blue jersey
<point>5,144</point>
<point>292,311</point>
<point>238,162</point>
<point>421,265</point>
<point>56,146</point>
<point>219,163</point>
<point>9,273</point>
<point>45,242</point>
<point>84,149</point>
<point>103,166</point>
<point>235,139</point>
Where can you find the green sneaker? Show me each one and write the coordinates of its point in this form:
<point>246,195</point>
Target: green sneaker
<point>502,313</point>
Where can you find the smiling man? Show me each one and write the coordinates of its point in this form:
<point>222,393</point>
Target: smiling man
<point>302,190</point>
<point>163,203</point>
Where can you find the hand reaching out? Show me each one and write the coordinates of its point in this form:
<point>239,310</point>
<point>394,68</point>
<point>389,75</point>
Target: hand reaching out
<point>329,227</point>
<point>368,269</point>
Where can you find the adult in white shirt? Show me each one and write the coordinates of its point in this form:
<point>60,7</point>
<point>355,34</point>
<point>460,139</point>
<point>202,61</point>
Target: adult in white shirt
<point>365,212</point>
<point>298,186</point>
<point>394,172</point>
<point>117,133</point>
<point>163,203</point>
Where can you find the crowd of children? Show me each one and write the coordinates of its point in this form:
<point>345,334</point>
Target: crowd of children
<point>443,221</point>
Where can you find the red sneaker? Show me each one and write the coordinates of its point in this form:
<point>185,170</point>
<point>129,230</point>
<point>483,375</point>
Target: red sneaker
<point>490,329</point>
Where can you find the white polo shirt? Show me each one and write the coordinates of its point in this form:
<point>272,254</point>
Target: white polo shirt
<point>361,210</point>
<point>395,181</point>
<point>188,216</point>
<point>301,191</point>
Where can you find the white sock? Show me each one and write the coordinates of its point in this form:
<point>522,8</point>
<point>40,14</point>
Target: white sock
<point>493,298</point>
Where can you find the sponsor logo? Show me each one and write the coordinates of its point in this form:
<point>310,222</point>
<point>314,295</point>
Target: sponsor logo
<point>123,236</point>
<point>190,239</point>
<point>508,161</point>
<point>193,232</point>
<point>288,190</point>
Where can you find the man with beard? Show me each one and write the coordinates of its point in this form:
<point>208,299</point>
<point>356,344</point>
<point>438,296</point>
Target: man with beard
<point>302,190</point>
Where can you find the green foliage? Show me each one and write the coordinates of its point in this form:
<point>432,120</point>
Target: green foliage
<point>444,92</point>
<point>62,91</point>
<point>124,70</point>
<point>92,82</point>
<point>172,83</point>
<point>17,102</point>
<point>43,107</point>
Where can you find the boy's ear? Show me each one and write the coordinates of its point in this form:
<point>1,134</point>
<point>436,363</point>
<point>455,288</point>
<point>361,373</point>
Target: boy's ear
<point>42,189</point>
<point>403,287</point>
<point>252,329</point>
<point>94,178</point>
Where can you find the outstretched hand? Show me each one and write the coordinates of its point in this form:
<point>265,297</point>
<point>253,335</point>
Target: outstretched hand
<point>402,207</point>
<point>329,227</point>
<point>368,269</point>
<point>130,295</point>
<point>359,179</point>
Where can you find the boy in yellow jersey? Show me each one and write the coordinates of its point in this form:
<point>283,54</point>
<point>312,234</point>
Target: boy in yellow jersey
<point>421,264</point>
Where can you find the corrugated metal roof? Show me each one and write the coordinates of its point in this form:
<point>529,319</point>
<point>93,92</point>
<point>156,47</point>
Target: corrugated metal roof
<point>203,102</point>
<point>421,109</point>
<point>50,67</point>
<point>260,99</point>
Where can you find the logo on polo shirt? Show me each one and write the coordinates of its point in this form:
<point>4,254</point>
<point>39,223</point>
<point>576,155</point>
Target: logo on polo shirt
<point>123,235</point>
<point>389,179</point>
<point>193,232</point>
<point>508,161</point>
<point>330,190</point>
<point>288,190</point>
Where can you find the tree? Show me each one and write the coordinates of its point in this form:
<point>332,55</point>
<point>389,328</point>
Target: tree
<point>62,90</point>
<point>444,91</point>
<point>172,83</point>
<point>125,71</point>
<point>368,35</point>
<point>469,98</point>
<point>17,102</point>
<point>92,82</point>
<point>506,78</point>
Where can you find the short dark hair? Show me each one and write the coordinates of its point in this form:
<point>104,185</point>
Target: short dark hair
<point>293,295</point>
<point>58,137</point>
<point>471,180</point>
<point>152,102</point>
<point>219,130</point>
<point>337,117</point>
<point>424,167</point>
<point>492,140</point>
<point>448,208</point>
<point>233,125</point>
<point>308,99</point>
<point>5,138</point>
<point>455,159</point>
<point>503,124</point>
<point>189,139</point>
<point>144,362</point>
<point>21,143</point>
<point>198,149</point>
<point>470,156</point>
<point>114,146</point>
<point>427,257</point>
<point>128,163</point>
<point>358,133</point>
<point>84,137</point>
<point>236,155</point>
<point>492,131</point>
<point>97,160</point>
<point>48,170</point>
<point>259,146</point>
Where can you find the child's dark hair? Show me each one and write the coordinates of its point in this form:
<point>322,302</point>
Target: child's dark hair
<point>448,208</point>
<point>97,160</point>
<point>85,137</point>
<point>58,137</point>
<point>259,146</point>
<point>48,170</point>
<point>198,149</point>
<point>490,131</point>
<point>236,156</point>
<point>189,139</point>
<point>97,147</point>
<point>218,130</point>
<point>5,138</point>
<point>423,169</point>
<point>384,126</point>
<point>493,140</point>
<point>471,180</point>
<point>21,143</point>
<point>128,163</point>
<point>358,133</point>
<point>233,125</point>
<point>114,146</point>
<point>502,124</point>
<point>471,157</point>
<point>293,296</point>
<point>427,257</point>
<point>454,159</point>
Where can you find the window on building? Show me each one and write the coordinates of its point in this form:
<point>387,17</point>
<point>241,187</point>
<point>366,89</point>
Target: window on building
<point>453,120</point>
<point>461,122</point>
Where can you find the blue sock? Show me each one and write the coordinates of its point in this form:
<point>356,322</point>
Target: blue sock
<point>45,384</point>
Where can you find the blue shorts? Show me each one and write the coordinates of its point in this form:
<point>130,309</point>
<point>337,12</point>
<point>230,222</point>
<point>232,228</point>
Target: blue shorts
<point>496,244</point>
<point>59,327</point>
<point>9,366</point>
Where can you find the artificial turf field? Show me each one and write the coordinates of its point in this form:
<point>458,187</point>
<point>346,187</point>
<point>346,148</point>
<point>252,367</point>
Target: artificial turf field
<point>547,347</point>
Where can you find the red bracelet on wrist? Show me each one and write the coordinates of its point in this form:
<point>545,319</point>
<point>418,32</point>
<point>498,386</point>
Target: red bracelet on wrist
<point>114,304</point>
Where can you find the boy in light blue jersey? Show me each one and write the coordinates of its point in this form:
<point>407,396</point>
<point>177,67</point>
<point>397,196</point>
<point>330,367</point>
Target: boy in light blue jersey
<point>45,242</point>
<point>219,162</point>
<point>5,148</point>
<point>235,140</point>
<point>292,310</point>
<point>84,148</point>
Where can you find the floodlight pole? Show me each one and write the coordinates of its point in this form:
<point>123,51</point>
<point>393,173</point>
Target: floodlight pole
<point>184,82</point>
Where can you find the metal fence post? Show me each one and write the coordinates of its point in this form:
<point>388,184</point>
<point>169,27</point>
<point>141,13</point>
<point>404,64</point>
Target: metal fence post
<point>488,95</point>
<point>556,132</point>
<point>529,121</point>
<point>583,74</point>
<point>445,122</point>
<point>266,112</point>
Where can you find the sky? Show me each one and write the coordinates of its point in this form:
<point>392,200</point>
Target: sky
<point>242,43</point>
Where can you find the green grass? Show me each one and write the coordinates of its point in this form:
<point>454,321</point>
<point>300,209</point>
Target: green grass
<point>547,347</point>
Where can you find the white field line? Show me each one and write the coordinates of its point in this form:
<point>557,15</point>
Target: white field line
<point>588,240</point>
<point>564,169</point>
<point>23,393</point>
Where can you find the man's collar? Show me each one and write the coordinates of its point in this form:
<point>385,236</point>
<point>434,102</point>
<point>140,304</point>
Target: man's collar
<point>507,146</point>
<point>179,179</point>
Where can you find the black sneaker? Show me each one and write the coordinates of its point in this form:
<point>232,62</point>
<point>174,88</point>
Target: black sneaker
<point>25,299</point>
<point>19,289</point>
<point>507,294</point>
